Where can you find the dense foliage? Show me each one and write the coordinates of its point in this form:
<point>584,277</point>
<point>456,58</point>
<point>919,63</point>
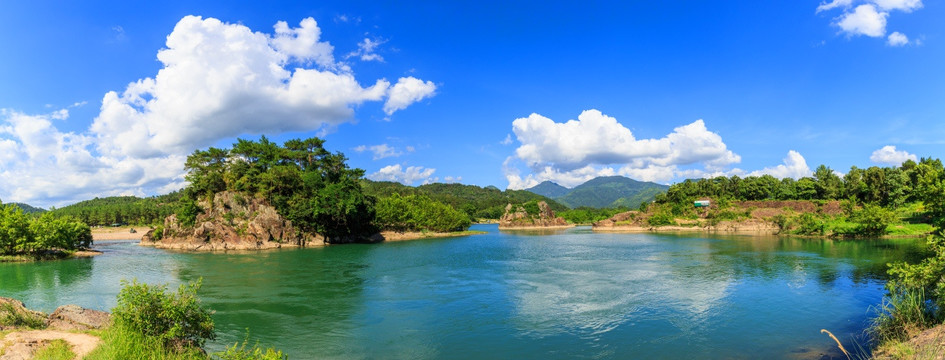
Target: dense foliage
<point>886,186</point>
<point>28,208</point>
<point>476,202</point>
<point>418,213</point>
<point>310,186</point>
<point>177,319</point>
<point>589,215</point>
<point>130,210</point>
<point>23,234</point>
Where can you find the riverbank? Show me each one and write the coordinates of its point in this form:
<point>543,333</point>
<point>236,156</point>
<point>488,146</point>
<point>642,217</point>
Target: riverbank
<point>416,235</point>
<point>26,333</point>
<point>118,233</point>
<point>49,255</point>
<point>539,228</point>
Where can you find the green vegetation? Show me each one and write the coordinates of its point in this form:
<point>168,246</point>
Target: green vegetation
<point>588,215</point>
<point>28,209</point>
<point>308,185</point>
<point>130,210</point>
<point>916,299</point>
<point>476,202</point>
<point>56,350</point>
<point>151,323</point>
<point>175,319</point>
<point>12,316</point>
<point>21,234</point>
<point>602,192</point>
<point>418,213</point>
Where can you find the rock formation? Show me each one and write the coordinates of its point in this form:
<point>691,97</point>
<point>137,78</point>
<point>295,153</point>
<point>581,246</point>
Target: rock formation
<point>517,217</point>
<point>73,317</point>
<point>231,222</point>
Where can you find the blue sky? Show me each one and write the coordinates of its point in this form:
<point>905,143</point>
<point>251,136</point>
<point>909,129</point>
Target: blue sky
<point>478,93</point>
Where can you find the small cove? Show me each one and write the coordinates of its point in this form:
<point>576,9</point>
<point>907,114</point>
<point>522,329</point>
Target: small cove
<point>563,294</point>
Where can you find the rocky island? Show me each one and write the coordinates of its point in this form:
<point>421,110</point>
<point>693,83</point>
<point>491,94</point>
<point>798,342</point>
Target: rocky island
<point>531,215</point>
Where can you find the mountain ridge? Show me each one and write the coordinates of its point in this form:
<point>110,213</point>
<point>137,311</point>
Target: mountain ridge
<point>602,192</point>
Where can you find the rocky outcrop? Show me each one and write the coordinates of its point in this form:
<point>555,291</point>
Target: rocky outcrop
<point>517,217</point>
<point>73,317</point>
<point>231,222</point>
<point>13,313</point>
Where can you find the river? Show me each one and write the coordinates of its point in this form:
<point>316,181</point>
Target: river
<point>522,295</point>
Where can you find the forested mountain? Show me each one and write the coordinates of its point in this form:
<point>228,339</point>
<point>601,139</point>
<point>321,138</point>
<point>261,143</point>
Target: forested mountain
<point>602,192</point>
<point>549,189</point>
<point>27,209</point>
<point>122,210</point>
<point>478,202</point>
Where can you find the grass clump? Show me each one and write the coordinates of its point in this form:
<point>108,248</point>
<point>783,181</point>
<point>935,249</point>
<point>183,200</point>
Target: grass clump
<point>56,350</point>
<point>239,351</point>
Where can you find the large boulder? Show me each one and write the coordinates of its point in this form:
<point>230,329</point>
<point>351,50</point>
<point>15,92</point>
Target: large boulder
<point>73,317</point>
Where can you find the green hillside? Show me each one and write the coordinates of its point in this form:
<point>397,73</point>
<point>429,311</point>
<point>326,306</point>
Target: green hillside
<point>28,209</point>
<point>549,189</point>
<point>130,210</point>
<point>607,192</point>
<point>478,202</point>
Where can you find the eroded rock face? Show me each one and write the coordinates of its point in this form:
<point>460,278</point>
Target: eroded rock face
<point>516,216</point>
<point>73,317</point>
<point>232,222</point>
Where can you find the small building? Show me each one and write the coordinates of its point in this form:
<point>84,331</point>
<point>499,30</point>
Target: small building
<point>701,203</point>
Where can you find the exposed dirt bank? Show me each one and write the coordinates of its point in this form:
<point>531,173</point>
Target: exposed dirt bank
<point>118,233</point>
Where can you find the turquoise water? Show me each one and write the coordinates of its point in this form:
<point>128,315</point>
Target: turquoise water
<point>567,294</point>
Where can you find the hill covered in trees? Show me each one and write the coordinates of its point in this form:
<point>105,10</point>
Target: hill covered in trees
<point>28,209</point>
<point>602,192</point>
<point>130,210</point>
<point>476,202</point>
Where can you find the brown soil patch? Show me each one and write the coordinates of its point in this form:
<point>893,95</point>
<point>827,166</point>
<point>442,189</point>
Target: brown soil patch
<point>21,345</point>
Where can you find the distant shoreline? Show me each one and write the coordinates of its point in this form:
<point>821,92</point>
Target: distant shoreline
<point>118,233</point>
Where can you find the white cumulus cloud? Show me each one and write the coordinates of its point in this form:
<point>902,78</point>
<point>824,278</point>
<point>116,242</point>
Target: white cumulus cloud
<point>864,20</point>
<point>794,166</point>
<point>408,176</point>
<point>890,156</point>
<point>598,145</point>
<point>824,6</point>
<point>217,81</point>
<point>901,5</point>
<point>897,39</point>
<point>367,50</point>
<point>407,91</point>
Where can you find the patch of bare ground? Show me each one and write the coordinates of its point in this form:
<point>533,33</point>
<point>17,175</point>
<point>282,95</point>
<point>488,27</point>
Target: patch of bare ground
<point>929,344</point>
<point>21,345</point>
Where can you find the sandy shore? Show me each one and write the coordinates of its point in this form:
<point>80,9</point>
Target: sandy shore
<point>404,236</point>
<point>118,233</point>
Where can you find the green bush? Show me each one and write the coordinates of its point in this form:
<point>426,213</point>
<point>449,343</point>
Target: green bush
<point>176,319</point>
<point>661,219</point>
<point>809,224</point>
<point>872,220</point>
<point>10,316</point>
<point>418,213</point>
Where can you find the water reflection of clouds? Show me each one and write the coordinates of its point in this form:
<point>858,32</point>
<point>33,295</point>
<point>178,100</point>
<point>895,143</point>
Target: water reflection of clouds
<point>556,294</point>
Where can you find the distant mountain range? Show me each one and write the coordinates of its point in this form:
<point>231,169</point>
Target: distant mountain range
<point>602,192</point>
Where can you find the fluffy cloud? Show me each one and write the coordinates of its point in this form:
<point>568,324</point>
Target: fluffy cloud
<point>890,156</point>
<point>864,20</point>
<point>407,91</point>
<point>380,151</point>
<point>870,17</point>
<point>217,81</point>
<point>897,39</point>
<point>408,176</point>
<point>578,150</point>
<point>795,166</point>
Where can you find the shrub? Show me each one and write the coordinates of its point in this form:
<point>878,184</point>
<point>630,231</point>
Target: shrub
<point>15,317</point>
<point>176,319</point>
<point>661,219</point>
<point>808,224</point>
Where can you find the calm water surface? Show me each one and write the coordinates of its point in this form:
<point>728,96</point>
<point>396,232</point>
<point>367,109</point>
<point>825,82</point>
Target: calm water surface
<point>568,294</point>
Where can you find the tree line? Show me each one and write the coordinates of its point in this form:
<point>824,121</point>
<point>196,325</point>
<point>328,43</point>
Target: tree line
<point>886,186</point>
<point>21,233</point>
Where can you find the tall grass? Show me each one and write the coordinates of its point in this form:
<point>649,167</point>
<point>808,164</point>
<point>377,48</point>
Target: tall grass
<point>904,313</point>
<point>121,343</point>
